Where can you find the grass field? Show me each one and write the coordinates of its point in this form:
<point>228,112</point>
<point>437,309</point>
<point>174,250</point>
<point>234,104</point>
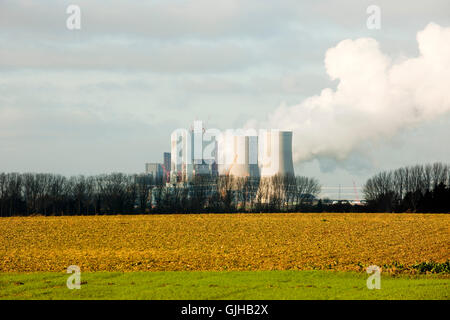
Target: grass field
<point>222,285</point>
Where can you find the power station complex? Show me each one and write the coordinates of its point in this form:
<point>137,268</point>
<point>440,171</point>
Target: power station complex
<point>239,153</point>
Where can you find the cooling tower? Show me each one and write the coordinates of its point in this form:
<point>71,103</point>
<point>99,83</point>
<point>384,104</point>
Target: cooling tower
<point>275,153</point>
<point>234,155</point>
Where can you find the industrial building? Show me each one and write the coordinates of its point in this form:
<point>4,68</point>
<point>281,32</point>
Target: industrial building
<point>166,166</point>
<point>198,156</point>
<point>193,153</point>
<point>160,171</point>
<point>234,152</point>
<point>154,169</point>
<point>239,153</point>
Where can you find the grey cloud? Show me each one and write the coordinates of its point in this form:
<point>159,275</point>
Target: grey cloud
<point>165,58</point>
<point>159,19</point>
<point>107,97</point>
<point>196,36</point>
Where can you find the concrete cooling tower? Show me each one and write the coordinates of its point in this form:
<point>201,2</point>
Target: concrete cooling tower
<point>275,153</point>
<point>234,155</point>
<point>235,152</point>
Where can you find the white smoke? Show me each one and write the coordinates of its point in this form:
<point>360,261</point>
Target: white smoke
<point>375,98</point>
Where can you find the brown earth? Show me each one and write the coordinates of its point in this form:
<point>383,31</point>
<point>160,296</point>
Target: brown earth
<point>222,241</point>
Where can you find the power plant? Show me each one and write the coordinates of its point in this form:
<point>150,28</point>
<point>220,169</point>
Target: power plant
<point>239,153</point>
<point>237,166</point>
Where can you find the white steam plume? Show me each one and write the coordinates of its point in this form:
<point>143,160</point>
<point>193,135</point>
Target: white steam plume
<point>374,99</point>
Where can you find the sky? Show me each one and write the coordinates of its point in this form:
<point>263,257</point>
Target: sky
<point>105,98</point>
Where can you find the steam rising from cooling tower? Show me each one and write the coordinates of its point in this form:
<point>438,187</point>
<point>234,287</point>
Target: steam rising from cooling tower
<point>374,99</point>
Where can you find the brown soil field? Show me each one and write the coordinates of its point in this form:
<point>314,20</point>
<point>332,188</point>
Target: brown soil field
<point>222,241</point>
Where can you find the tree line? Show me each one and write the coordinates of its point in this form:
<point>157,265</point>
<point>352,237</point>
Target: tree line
<point>117,193</point>
<point>420,188</point>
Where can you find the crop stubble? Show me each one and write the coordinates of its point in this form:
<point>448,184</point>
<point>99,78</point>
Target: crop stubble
<point>222,241</point>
